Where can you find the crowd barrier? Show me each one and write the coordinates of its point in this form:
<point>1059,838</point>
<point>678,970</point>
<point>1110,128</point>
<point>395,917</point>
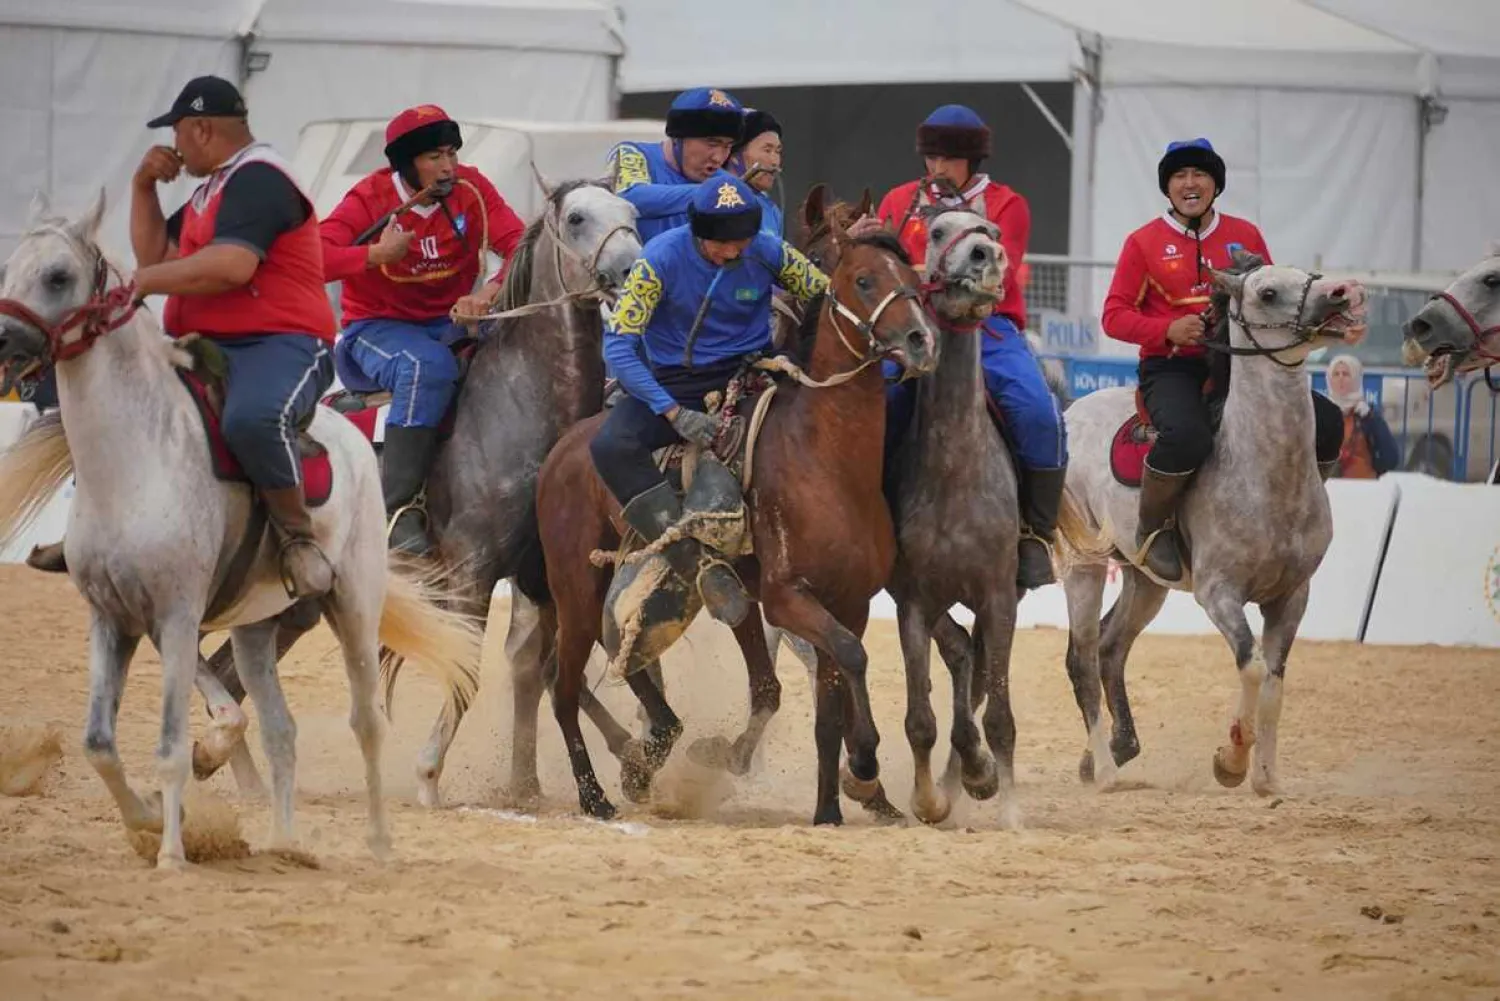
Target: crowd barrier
<point>1414,560</point>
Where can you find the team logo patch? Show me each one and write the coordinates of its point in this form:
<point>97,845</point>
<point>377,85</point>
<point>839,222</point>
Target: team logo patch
<point>1170,249</point>
<point>719,99</point>
<point>462,225</point>
<point>746,294</point>
<point>729,197</point>
<point>428,111</point>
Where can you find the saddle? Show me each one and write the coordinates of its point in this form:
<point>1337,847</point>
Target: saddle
<point>1133,440</point>
<point>362,408</point>
<point>205,383</point>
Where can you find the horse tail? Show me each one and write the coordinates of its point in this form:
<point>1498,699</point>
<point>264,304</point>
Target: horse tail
<point>420,622</point>
<point>31,471</point>
<point>1078,541</point>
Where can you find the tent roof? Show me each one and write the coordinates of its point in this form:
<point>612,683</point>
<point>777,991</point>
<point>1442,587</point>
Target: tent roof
<point>556,25</point>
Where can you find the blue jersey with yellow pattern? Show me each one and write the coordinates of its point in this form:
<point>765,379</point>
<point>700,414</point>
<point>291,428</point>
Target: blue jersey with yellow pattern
<point>660,193</point>
<point>668,287</point>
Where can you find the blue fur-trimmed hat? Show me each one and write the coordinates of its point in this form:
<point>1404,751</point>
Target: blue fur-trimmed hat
<point>704,113</point>
<point>954,131</point>
<point>724,208</point>
<point>1190,153</point>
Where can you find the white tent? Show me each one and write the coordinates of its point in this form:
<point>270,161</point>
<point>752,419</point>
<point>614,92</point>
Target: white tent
<point>1328,111</point>
<point>82,77</point>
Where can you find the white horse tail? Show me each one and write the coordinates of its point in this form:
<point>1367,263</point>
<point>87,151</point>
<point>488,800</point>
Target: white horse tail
<point>418,622</point>
<point>31,471</point>
<point>1078,541</point>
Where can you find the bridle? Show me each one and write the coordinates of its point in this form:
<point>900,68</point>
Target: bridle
<point>1302,329</point>
<point>106,309</point>
<point>1480,333</point>
<point>936,270</point>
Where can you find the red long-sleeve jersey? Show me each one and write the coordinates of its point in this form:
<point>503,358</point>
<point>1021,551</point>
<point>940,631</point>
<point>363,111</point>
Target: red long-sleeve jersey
<point>998,203</point>
<point>1158,279</point>
<point>444,260</point>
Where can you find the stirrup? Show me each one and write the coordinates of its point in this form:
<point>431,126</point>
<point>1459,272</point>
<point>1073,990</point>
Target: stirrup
<point>417,504</point>
<point>286,578</point>
<point>1138,559</point>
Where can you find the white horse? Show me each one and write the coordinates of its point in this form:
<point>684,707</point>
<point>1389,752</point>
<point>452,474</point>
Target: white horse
<point>1256,518</point>
<point>152,534</point>
<point>1459,329</point>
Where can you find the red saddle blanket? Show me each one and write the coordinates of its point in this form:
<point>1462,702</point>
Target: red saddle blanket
<point>1127,451</point>
<point>317,470</point>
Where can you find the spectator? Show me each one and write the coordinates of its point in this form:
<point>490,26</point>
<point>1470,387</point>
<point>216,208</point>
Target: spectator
<point>1369,448</point>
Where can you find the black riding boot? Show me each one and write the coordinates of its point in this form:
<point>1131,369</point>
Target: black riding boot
<point>1041,493</point>
<point>1160,495</point>
<point>404,464</point>
<point>656,510</point>
<point>1327,469</point>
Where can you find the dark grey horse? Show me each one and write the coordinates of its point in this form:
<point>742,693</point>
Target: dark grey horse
<point>536,372</point>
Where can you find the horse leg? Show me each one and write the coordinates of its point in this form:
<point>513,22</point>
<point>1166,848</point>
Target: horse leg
<point>226,728</point>
<point>1282,618</point>
<point>956,648</point>
<point>1140,600</point>
<point>642,759</point>
<point>255,660</point>
<point>995,633</point>
<point>642,714</point>
<point>1227,611</point>
<point>796,611</point>
<point>828,733</point>
<point>176,641</point>
<point>434,754</point>
<point>355,621</point>
<point>930,803</point>
<point>110,651</point>
<point>765,699</point>
<point>1084,588</point>
<point>573,647</point>
<point>528,643</point>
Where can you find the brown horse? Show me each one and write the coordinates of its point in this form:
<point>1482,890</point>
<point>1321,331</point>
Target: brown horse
<point>822,532</point>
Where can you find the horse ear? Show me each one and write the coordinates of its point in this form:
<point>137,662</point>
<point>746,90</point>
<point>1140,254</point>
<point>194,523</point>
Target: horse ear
<point>813,208</point>
<point>41,206</point>
<point>1227,282</point>
<point>866,205</point>
<point>541,181</point>
<point>1245,261</point>
<point>837,232</point>
<point>86,227</point>
<point>1493,250</point>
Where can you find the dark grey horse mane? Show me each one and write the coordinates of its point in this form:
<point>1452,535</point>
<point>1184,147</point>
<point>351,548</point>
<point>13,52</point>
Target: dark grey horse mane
<point>515,291</point>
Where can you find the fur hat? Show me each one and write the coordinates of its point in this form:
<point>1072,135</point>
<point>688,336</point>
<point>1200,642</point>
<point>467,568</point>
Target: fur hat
<point>724,208</point>
<point>704,113</point>
<point>757,123</point>
<point>954,131</point>
<point>1191,153</point>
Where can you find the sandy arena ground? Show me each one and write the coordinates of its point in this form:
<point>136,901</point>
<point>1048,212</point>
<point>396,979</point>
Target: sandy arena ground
<point>1171,887</point>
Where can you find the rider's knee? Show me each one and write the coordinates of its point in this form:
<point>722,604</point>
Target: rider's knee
<point>1191,445</point>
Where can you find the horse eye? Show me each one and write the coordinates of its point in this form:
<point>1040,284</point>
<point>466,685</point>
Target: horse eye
<point>58,279</point>
<point>939,233</point>
<point>575,218</point>
<point>863,282</point>
<point>1492,280</point>
<point>1267,295</point>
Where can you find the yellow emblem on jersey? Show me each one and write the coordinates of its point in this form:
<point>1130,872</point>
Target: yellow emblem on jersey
<point>729,197</point>
<point>719,99</point>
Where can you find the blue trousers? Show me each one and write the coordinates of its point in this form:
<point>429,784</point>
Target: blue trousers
<point>274,382</point>
<point>1013,378</point>
<point>409,359</point>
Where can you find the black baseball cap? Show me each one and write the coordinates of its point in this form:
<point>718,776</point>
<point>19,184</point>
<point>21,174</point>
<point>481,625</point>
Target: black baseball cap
<point>203,97</point>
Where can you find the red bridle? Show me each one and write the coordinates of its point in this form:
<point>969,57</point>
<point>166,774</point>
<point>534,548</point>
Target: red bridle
<point>936,283</point>
<point>1480,333</point>
<point>107,309</point>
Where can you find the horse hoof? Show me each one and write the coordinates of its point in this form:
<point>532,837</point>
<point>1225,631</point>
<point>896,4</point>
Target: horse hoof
<point>1226,777</point>
<point>711,752</point>
<point>1125,749</point>
<point>525,793</point>
<point>986,784</point>
<point>933,809</point>
<point>380,845</point>
<point>428,793</point>
<point>171,863</point>
<point>859,790</point>
<point>1265,785</point>
<point>1086,768</point>
<point>828,817</point>
<point>599,808</point>
<point>882,810</point>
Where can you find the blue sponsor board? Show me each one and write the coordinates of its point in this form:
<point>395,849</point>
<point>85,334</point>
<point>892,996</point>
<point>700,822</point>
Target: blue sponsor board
<point>1373,386</point>
<point>1085,377</point>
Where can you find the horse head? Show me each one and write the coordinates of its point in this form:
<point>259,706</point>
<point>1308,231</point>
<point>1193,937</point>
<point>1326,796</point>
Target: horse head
<point>874,288</point>
<point>47,287</point>
<point>1285,313</point>
<point>818,217</point>
<point>1459,328</point>
<point>966,266</point>
<point>596,229</point>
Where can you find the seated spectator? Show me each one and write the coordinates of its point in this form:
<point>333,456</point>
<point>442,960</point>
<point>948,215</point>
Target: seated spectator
<point>1370,449</point>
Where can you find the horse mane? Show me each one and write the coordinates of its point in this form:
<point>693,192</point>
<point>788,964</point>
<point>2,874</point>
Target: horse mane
<point>885,240</point>
<point>515,290</point>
